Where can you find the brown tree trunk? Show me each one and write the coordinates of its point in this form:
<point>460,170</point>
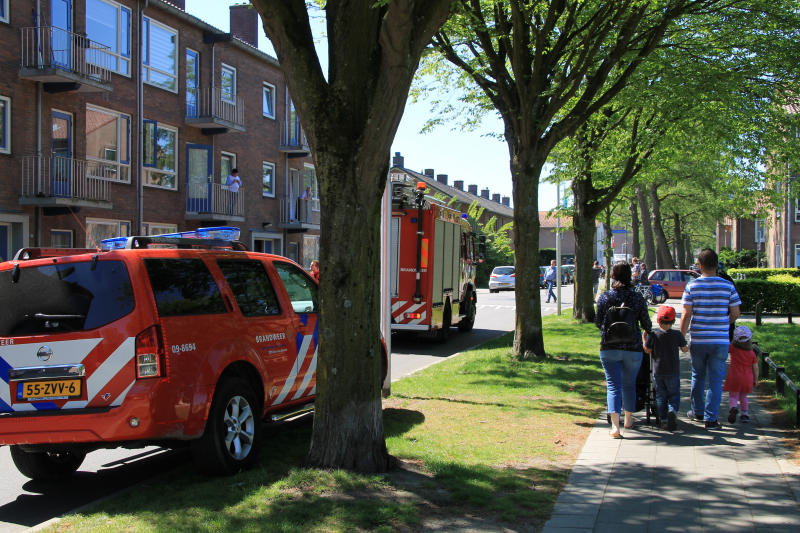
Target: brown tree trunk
<point>689,252</point>
<point>636,249</point>
<point>647,228</point>
<point>680,242</point>
<point>585,230</point>
<point>662,246</point>
<point>609,250</point>
<point>526,169</point>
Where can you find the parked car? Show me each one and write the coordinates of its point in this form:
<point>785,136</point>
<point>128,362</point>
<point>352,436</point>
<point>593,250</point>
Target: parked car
<point>569,274</point>
<point>502,278</point>
<point>163,341</point>
<point>672,281</point>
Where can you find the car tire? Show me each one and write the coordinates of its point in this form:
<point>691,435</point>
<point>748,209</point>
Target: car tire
<point>443,333</point>
<point>492,291</point>
<point>43,465</point>
<point>232,435</point>
<point>466,324</point>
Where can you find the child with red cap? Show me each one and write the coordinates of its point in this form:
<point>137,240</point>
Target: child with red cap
<point>665,344</point>
<point>743,374</point>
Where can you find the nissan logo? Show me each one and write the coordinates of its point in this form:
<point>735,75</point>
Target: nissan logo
<point>44,353</point>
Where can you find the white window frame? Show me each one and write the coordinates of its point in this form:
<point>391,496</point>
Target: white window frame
<point>123,226</point>
<point>224,179</point>
<point>796,254</point>
<point>121,58</point>
<point>797,211</point>
<point>172,228</point>
<point>6,124</point>
<point>147,68</point>
<point>118,163</point>
<point>274,179</point>
<point>7,17</point>
<point>272,98</point>
<point>148,169</point>
<point>8,252</point>
<point>316,238</point>
<point>71,236</point>
<point>274,236</point>
<point>235,83</point>
<point>761,231</point>
<point>315,206</point>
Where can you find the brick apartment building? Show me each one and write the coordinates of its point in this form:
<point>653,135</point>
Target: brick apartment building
<point>776,237</point>
<point>71,152</point>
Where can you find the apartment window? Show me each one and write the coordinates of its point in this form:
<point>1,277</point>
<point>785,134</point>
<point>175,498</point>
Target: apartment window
<point>797,211</point>
<point>227,164</point>
<point>228,87</point>
<point>160,55</point>
<point>154,228</point>
<point>60,238</point>
<point>778,256</point>
<point>268,100</point>
<point>797,255</point>
<point>108,136</point>
<point>109,23</point>
<point>98,229</point>
<point>310,251</point>
<point>192,82</point>
<point>268,179</point>
<point>310,180</point>
<point>5,124</point>
<point>3,10</point>
<point>160,159</point>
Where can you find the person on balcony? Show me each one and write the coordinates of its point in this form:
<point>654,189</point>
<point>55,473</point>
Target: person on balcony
<point>233,182</point>
<point>305,204</point>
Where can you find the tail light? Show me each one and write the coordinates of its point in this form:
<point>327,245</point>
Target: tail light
<point>512,275</point>
<point>494,276</point>
<point>413,315</point>
<point>149,353</point>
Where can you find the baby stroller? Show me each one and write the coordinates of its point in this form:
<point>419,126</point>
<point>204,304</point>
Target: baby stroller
<point>645,392</point>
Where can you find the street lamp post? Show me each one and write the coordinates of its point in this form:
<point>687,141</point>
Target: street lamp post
<point>558,249</point>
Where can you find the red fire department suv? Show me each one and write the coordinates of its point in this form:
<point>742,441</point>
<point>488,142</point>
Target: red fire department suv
<point>162,341</point>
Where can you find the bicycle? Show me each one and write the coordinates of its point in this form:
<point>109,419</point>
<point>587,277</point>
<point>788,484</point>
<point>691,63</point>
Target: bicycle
<point>646,293</point>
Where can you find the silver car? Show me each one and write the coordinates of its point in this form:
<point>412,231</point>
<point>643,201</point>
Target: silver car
<point>502,279</point>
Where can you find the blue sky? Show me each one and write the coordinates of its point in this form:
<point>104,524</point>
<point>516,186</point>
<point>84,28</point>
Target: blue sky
<point>470,156</point>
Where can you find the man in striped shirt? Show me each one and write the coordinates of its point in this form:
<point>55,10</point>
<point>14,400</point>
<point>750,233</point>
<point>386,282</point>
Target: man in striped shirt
<point>710,305</point>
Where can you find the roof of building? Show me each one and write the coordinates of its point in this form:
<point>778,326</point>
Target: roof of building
<point>463,196</point>
<point>205,26</point>
<point>547,220</point>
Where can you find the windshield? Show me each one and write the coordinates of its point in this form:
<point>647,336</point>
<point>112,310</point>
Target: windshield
<point>67,297</point>
<point>503,271</point>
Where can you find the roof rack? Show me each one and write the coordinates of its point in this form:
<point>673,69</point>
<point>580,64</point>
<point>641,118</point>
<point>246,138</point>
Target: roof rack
<point>139,243</point>
<point>29,254</point>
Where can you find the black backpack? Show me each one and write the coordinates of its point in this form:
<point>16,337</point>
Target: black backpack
<point>620,325</point>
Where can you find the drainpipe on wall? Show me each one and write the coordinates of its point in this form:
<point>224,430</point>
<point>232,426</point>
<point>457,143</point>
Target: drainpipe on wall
<point>37,211</point>
<point>789,217</point>
<point>140,125</point>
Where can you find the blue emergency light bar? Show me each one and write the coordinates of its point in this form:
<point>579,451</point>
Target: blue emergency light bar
<point>221,233</point>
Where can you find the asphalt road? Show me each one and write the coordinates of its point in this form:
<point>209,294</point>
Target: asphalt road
<point>25,503</point>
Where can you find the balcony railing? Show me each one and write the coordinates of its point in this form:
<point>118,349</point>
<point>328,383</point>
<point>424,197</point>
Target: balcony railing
<point>295,211</point>
<point>61,177</point>
<point>293,138</point>
<point>212,103</point>
<point>50,47</point>
<point>214,199</point>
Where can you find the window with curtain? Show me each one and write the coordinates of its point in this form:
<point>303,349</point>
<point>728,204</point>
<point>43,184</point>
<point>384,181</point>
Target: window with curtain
<point>227,164</point>
<point>109,23</point>
<point>228,84</point>
<point>310,180</point>
<point>5,125</point>
<point>160,155</point>
<point>268,180</point>
<point>98,229</point>
<point>108,144</point>
<point>160,55</point>
<point>268,101</point>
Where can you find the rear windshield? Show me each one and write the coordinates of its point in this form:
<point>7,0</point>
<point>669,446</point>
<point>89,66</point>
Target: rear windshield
<point>66,297</point>
<point>503,271</point>
<point>184,287</point>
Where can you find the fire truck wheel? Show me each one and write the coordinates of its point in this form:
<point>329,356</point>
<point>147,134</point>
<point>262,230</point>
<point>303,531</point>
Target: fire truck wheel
<point>468,321</point>
<point>43,465</point>
<point>232,436</point>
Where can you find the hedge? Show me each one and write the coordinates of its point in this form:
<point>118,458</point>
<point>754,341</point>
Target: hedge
<point>764,273</point>
<point>781,294</point>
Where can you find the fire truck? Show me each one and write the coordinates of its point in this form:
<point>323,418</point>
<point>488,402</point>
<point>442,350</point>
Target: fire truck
<point>434,256</point>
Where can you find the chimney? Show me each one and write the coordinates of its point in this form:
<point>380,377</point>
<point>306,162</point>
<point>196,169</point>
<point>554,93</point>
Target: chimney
<point>428,172</point>
<point>506,201</point>
<point>485,193</point>
<point>398,160</point>
<point>441,178</point>
<point>244,23</point>
<point>496,198</point>
<point>180,4</point>
<point>473,189</point>
<point>459,184</point>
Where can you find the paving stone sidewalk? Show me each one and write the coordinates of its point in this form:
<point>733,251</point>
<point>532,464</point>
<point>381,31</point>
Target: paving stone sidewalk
<point>737,479</point>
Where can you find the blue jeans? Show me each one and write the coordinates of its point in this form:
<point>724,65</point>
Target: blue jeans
<point>707,358</point>
<point>621,367</point>
<point>550,285</point>
<point>668,394</point>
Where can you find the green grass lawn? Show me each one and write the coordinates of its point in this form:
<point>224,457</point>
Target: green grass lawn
<point>485,433</point>
<point>781,341</point>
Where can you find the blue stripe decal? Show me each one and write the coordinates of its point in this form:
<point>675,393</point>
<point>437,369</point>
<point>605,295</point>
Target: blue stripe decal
<point>4,407</point>
<point>45,406</point>
<point>315,337</point>
<point>304,320</point>
<point>4,368</point>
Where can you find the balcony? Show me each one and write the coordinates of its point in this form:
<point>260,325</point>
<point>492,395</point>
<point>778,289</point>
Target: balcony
<point>215,112</point>
<point>299,216</point>
<point>293,140</point>
<point>64,61</point>
<point>52,181</point>
<point>213,201</point>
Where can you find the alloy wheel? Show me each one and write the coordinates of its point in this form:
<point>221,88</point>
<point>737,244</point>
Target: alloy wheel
<point>240,425</point>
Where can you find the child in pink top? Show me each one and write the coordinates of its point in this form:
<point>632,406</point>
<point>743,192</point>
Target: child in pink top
<point>743,374</point>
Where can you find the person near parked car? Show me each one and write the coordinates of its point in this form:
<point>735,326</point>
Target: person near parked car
<point>666,344</point>
<point>621,348</point>
<point>550,278</point>
<point>635,270</point>
<point>743,375</point>
<point>596,273</point>
<point>315,270</point>
<point>710,305</point>
<point>643,274</point>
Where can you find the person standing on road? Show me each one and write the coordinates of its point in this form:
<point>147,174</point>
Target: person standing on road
<point>550,279</point>
<point>621,359</point>
<point>233,182</point>
<point>596,273</point>
<point>710,305</point>
<point>636,272</point>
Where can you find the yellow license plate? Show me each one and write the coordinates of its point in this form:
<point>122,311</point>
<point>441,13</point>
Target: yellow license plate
<point>41,390</point>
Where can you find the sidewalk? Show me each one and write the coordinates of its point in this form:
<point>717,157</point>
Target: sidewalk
<point>693,480</point>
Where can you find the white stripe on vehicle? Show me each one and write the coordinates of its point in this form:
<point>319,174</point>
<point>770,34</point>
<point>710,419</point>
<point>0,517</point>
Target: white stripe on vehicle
<point>313,391</point>
<point>122,396</point>
<point>309,374</point>
<point>410,310</point>
<point>110,368</point>
<point>398,305</point>
<point>420,319</point>
<point>64,352</point>
<point>287,386</point>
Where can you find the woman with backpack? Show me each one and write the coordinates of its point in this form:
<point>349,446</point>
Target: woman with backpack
<point>620,312</point>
